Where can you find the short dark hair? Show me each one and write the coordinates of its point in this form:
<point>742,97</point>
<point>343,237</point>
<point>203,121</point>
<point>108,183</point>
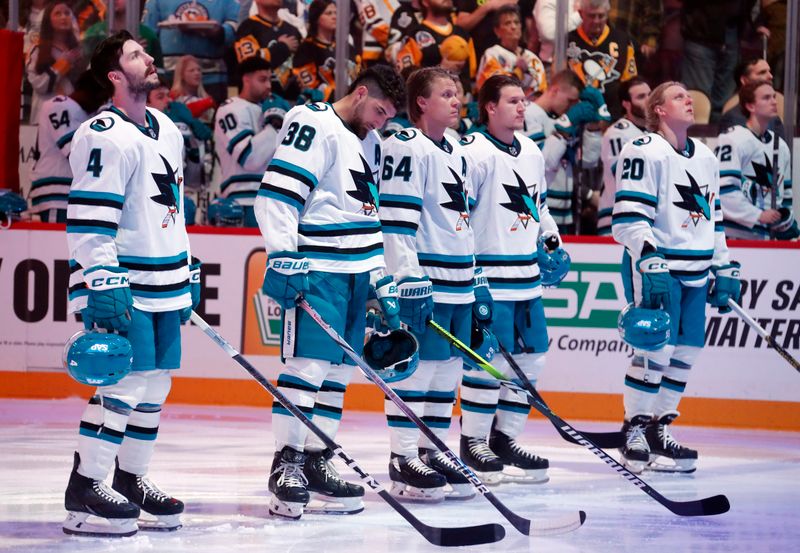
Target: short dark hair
<point>490,92</point>
<point>315,11</point>
<point>747,94</point>
<point>566,78</point>
<point>743,68</point>
<point>106,58</point>
<point>253,64</point>
<point>505,10</point>
<point>419,85</point>
<point>382,82</point>
<point>625,88</point>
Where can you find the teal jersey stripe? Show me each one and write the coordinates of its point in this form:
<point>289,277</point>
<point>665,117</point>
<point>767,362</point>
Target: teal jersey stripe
<point>624,195</point>
<point>238,138</point>
<point>281,198</point>
<point>91,230</point>
<point>686,252</point>
<point>304,227</point>
<point>730,173</point>
<point>152,260</point>
<point>87,195</point>
<point>388,229</point>
<point>488,258</point>
<point>295,169</point>
<point>442,257</point>
<point>401,198</point>
<point>331,256</point>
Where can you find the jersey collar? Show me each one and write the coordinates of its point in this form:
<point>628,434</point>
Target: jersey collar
<point>151,130</point>
<point>443,144</point>
<point>599,40</point>
<point>512,149</point>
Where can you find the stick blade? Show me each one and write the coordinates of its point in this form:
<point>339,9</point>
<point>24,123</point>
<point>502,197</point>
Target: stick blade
<point>559,525</point>
<point>715,505</point>
<point>469,535</point>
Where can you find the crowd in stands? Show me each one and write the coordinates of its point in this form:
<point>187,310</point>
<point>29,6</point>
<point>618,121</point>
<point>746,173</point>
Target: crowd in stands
<point>199,47</point>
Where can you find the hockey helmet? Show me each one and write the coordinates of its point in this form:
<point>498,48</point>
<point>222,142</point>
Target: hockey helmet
<point>393,355</point>
<point>97,358</point>
<point>484,342</point>
<point>553,265</point>
<point>644,328</point>
<point>189,210</point>
<point>224,212</point>
<point>11,207</point>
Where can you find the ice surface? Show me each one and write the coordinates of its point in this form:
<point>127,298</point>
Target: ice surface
<point>216,460</point>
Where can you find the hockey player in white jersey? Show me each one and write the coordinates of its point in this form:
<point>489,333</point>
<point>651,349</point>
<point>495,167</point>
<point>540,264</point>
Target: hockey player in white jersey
<point>243,141</point>
<point>509,217</point>
<point>668,216</point>
<point>747,157</point>
<point>318,211</point>
<point>633,95</point>
<point>131,273</point>
<point>429,240</point>
<point>565,119</point>
<point>59,118</point>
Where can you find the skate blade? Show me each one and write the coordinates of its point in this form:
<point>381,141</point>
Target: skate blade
<point>666,465</point>
<point>459,492</point>
<point>515,475</point>
<point>409,494</point>
<point>282,509</point>
<point>80,524</point>
<point>490,478</point>
<point>636,467</point>
<point>160,523</point>
<point>325,505</point>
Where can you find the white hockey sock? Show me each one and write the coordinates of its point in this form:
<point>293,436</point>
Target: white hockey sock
<point>142,430</point>
<point>673,382</point>
<point>403,433</point>
<point>513,409</point>
<point>641,387</point>
<point>328,407</point>
<point>440,400</point>
<point>299,382</point>
<point>479,394</point>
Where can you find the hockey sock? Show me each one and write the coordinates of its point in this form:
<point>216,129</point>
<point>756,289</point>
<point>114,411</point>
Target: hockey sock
<point>142,430</point>
<point>328,407</point>
<point>479,395</point>
<point>403,433</point>
<point>440,399</point>
<point>674,379</point>
<point>299,382</point>
<point>513,410</point>
<point>641,387</point>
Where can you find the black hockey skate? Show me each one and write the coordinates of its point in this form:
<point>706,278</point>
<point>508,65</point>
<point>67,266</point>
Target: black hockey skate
<point>460,486</point>
<point>140,491</point>
<point>666,454</point>
<point>87,497</point>
<point>288,484</point>
<point>636,452</point>
<point>533,467</point>
<point>413,480</point>
<point>475,452</point>
<point>337,496</point>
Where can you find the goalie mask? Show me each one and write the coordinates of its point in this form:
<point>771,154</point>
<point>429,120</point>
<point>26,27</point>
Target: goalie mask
<point>98,359</point>
<point>643,328</point>
<point>393,355</point>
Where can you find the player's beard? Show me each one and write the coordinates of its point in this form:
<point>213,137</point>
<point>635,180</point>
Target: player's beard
<point>357,123</point>
<point>140,86</point>
<point>638,111</point>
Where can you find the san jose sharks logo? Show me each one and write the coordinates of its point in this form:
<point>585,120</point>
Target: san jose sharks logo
<point>458,199</point>
<point>169,188</point>
<point>760,183</point>
<point>521,203</point>
<point>696,200</point>
<point>366,190</point>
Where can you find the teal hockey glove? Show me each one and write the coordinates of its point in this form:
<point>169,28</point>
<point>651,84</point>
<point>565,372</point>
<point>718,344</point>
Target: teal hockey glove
<point>194,288</point>
<point>286,277</point>
<point>484,304</point>
<point>595,97</point>
<point>110,302</point>
<point>416,302</point>
<point>386,292</point>
<point>274,110</point>
<point>656,281</point>
<point>724,286</point>
<point>578,115</point>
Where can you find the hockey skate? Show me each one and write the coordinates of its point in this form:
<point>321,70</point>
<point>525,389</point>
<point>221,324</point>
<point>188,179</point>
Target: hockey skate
<point>139,490</point>
<point>86,497</point>
<point>532,468</point>
<point>636,452</point>
<point>287,483</point>
<point>413,480</point>
<point>666,454</point>
<point>477,455</point>
<point>330,494</point>
<point>460,486</point>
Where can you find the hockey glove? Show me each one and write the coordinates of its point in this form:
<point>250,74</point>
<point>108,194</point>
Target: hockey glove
<point>786,228</point>
<point>286,277</point>
<point>310,95</point>
<point>416,302</point>
<point>194,288</point>
<point>578,115</point>
<point>726,285</point>
<point>595,97</point>
<point>110,302</point>
<point>386,292</point>
<point>274,109</point>
<point>483,306</point>
<point>656,281</point>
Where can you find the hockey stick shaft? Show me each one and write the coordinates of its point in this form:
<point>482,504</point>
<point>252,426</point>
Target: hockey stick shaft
<point>773,190</point>
<point>715,505</point>
<point>523,525</point>
<point>471,535</point>
<point>764,334</point>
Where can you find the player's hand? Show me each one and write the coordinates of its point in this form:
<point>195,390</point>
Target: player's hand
<point>416,302</point>
<point>656,281</point>
<point>290,41</point>
<point>194,288</point>
<point>484,304</point>
<point>595,97</point>
<point>769,216</point>
<point>286,277</point>
<point>274,109</point>
<point>726,285</point>
<point>571,122</point>
<point>110,303</point>
<point>388,298</point>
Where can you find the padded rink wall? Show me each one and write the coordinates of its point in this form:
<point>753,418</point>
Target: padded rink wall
<point>738,381</point>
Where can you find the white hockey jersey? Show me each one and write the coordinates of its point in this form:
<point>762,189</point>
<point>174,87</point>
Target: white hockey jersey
<point>319,195</point>
<point>745,180</point>
<point>615,137</point>
<point>671,200</point>
<point>509,212</point>
<point>244,146</point>
<point>126,208</point>
<point>540,127</point>
<point>59,118</point>
<point>376,17</point>
<point>425,195</point>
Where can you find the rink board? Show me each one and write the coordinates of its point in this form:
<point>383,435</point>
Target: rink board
<point>737,381</point>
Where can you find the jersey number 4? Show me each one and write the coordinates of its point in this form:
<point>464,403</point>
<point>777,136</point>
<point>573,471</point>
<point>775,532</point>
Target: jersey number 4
<point>94,166</point>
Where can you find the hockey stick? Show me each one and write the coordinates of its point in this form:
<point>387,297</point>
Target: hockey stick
<point>763,333</point>
<point>773,190</point>
<point>715,505</point>
<point>551,527</point>
<point>448,537</point>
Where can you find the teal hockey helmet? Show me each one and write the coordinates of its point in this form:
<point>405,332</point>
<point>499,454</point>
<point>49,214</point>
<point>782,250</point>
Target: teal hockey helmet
<point>484,342</point>
<point>394,355</point>
<point>97,358</point>
<point>644,328</point>
<point>553,264</point>
<point>189,210</point>
<point>224,212</point>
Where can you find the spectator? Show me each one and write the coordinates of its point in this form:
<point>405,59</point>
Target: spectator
<point>57,59</point>
<point>642,20</point>
<point>711,31</point>
<point>375,17</point>
<point>509,57</point>
<point>89,12</point>
<point>267,35</point>
<point>601,56</point>
<point>407,14</point>
<point>188,88</point>
<point>202,28</point>
<point>31,12</point>
<point>772,24</point>
<point>474,14</point>
<point>746,72</point>
<point>544,13</point>
<point>99,31</point>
